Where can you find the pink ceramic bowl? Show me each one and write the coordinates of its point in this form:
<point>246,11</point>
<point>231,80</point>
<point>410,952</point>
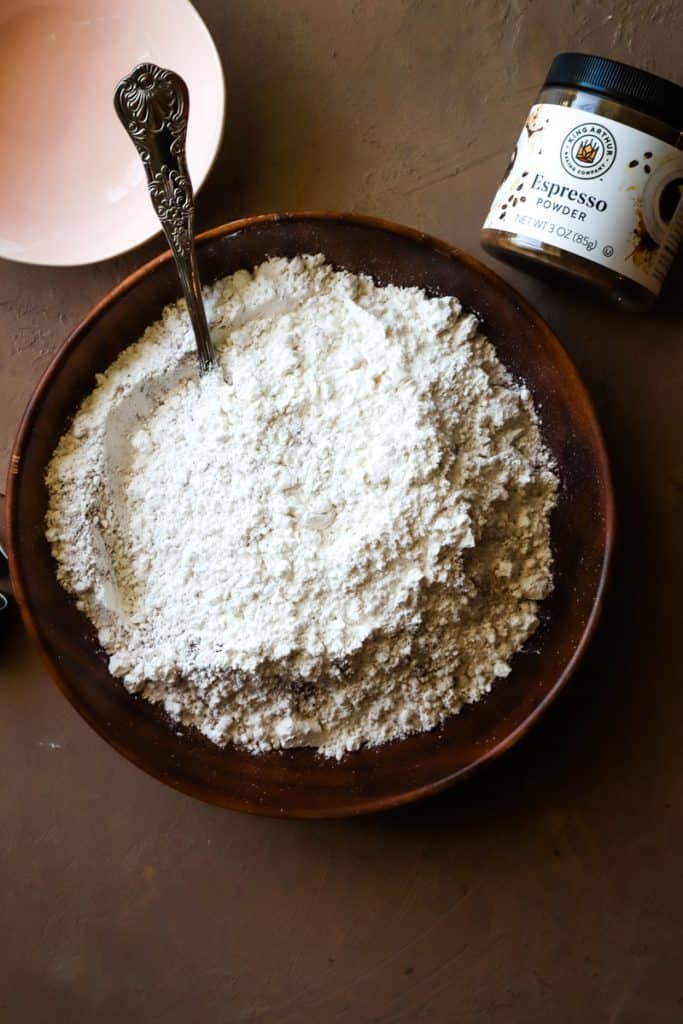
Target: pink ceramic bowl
<point>73,187</point>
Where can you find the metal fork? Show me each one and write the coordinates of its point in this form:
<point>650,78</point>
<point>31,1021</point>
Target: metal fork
<point>153,105</point>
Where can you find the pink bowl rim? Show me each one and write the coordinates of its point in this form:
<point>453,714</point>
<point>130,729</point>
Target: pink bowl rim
<point>198,182</point>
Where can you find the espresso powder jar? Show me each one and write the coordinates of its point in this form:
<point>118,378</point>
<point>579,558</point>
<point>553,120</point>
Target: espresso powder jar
<point>594,186</point>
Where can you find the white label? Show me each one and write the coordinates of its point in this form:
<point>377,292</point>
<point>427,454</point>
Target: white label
<point>597,188</point>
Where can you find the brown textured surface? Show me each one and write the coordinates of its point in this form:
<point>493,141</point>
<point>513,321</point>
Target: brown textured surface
<point>547,889</point>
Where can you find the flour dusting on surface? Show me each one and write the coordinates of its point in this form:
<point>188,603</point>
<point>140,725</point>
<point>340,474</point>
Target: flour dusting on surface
<point>338,537</point>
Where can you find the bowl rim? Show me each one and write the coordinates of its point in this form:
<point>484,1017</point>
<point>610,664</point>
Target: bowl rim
<point>362,805</point>
<point>199,180</point>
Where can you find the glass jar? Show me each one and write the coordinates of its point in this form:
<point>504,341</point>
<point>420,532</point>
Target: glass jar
<point>594,187</point>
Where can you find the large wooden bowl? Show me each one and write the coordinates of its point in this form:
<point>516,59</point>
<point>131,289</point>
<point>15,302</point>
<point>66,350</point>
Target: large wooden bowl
<point>299,783</point>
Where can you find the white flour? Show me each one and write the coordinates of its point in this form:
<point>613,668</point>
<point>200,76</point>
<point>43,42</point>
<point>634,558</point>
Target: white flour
<point>337,539</point>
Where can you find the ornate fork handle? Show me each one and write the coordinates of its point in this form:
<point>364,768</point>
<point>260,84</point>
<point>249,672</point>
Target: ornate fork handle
<point>153,106</point>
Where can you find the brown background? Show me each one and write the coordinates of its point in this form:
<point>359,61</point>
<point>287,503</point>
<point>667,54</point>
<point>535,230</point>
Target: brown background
<point>549,888</point>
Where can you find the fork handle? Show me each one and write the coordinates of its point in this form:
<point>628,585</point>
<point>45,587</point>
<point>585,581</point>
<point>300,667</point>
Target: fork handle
<point>153,105</point>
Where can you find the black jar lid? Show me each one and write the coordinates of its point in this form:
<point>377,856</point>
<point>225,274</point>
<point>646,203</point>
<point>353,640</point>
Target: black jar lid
<point>649,93</point>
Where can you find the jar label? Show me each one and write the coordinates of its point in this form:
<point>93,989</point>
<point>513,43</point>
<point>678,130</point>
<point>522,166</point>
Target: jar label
<point>597,188</point>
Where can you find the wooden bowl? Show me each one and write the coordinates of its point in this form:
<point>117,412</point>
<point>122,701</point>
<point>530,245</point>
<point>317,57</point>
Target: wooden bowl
<point>299,783</point>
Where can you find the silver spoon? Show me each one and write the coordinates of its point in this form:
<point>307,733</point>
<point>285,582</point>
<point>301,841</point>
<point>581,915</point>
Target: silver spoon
<point>153,105</point>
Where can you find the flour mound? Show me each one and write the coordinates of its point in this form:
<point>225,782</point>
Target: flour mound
<point>337,538</point>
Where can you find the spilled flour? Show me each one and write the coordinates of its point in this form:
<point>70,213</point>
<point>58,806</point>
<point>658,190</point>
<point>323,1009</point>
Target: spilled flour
<point>336,539</point>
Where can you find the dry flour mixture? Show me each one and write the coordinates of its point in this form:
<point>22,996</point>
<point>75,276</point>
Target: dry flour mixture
<point>338,538</point>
